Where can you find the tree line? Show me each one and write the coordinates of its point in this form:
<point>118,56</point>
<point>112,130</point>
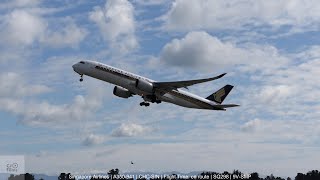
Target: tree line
<point>114,174</point>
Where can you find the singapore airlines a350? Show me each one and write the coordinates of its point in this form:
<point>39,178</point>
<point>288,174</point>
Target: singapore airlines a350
<point>128,84</point>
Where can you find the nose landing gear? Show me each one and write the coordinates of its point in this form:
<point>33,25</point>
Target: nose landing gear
<point>81,78</point>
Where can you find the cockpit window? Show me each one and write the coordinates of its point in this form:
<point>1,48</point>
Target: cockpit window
<point>81,62</point>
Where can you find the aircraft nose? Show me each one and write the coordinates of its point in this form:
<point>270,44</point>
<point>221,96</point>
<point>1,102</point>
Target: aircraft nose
<point>75,67</point>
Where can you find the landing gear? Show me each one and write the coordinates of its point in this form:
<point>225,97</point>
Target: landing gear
<point>149,98</point>
<point>144,104</point>
<point>156,101</point>
<point>81,78</point>
<point>152,99</point>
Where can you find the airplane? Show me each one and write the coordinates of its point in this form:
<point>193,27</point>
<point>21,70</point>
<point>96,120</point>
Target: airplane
<point>128,84</point>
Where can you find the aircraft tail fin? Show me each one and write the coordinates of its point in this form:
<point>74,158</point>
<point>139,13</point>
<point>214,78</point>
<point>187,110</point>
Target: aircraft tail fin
<point>221,94</point>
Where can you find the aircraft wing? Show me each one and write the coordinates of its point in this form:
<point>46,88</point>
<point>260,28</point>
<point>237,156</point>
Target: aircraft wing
<point>183,84</point>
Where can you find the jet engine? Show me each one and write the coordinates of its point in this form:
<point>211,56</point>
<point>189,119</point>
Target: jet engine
<point>121,92</point>
<point>144,86</point>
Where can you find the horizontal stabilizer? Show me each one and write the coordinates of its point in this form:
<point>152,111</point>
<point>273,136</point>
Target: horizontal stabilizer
<point>223,106</point>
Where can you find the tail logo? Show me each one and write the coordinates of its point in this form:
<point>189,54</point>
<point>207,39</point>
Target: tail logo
<point>218,95</point>
<point>221,94</point>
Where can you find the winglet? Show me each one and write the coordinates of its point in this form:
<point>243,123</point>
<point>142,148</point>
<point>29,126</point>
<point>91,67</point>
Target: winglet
<point>221,75</point>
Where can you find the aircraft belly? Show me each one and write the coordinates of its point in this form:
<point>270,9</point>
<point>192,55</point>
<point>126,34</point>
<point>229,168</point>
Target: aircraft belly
<point>178,101</point>
<point>116,80</point>
<point>108,77</point>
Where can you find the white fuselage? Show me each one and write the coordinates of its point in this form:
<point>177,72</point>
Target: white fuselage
<point>127,80</point>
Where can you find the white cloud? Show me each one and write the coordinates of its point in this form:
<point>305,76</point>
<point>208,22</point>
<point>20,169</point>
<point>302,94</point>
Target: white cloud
<point>35,113</point>
<point>251,126</point>
<point>129,130</point>
<point>117,25</point>
<point>16,92</point>
<point>201,50</point>
<point>21,27</point>
<point>269,83</point>
<point>25,27</point>
<point>92,139</point>
<point>69,36</point>
<point>14,85</point>
<point>288,92</point>
<point>274,94</point>
<point>237,14</point>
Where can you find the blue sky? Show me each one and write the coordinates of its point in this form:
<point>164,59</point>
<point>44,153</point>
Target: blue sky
<point>270,50</point>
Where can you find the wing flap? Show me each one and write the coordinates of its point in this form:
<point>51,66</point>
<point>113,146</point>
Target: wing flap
<point>183,84</point>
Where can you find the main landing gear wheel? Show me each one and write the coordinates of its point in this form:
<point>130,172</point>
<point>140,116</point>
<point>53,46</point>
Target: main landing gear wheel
<point>144,104</point>
<point>155,100</point>
<point>81,78</point>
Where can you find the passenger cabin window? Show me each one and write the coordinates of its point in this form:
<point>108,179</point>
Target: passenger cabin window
<point>81,62</point>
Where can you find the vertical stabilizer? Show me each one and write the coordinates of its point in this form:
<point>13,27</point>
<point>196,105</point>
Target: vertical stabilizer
<point>221,94</point>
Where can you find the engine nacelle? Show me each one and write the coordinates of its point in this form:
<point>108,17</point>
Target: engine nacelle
<point>145,86</point>
<point>121,92</point>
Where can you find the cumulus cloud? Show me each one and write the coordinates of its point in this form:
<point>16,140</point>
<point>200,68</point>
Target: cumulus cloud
<point>304,72</point>
<point>116,23</point>
<point>276,83</point>
<point>252,125</point>
<point>275,94</point>
<point>21,27</point>
<point>230,15</point>
<point>14,85</point>
<point>42,113</point>
<point>289,91</point>
<point>19,95</point>
<point>69,36</point>
<point>24,27</point>
<point>198,49</point>
<point>129,130</point>
<point>92,139</point>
